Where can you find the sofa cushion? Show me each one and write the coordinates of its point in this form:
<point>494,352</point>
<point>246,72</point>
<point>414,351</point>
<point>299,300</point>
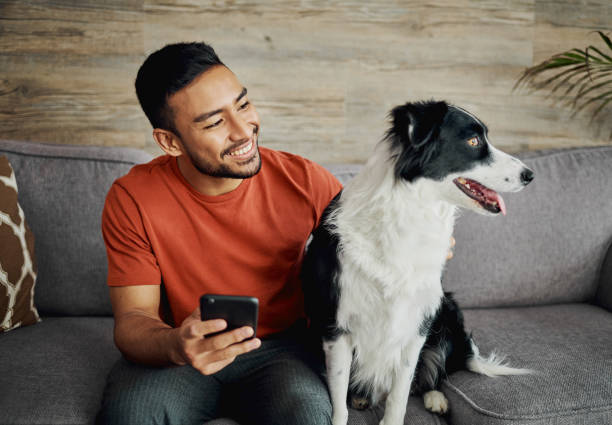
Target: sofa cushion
<point>62,192</point>
<point>17,262</point>
<point>55,372</point>
<point>604,292</point>
<point>568,346</point>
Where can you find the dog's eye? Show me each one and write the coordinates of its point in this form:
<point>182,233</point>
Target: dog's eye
<point>473,142</point>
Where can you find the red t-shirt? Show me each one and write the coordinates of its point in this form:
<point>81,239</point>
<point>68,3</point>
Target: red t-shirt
<point>250,241</point>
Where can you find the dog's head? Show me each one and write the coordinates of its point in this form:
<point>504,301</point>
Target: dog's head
<point>448,145</point>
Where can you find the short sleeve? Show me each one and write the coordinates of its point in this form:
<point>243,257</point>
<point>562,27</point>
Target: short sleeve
<point>325,186</point>
<point>131,260</point>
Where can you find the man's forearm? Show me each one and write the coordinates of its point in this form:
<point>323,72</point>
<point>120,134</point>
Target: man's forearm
<point>147,340</point>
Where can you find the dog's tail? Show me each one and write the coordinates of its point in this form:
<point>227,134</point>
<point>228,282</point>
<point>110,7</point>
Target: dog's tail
<point>491,366</point>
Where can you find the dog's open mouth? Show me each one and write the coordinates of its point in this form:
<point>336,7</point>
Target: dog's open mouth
<point>487,198</point>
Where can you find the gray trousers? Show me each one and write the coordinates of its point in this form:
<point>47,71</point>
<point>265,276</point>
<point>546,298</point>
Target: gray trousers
<point>279,383</point>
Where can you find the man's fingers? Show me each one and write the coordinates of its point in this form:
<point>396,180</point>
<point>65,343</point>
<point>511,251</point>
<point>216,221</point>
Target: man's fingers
<point>197,329</point>
<point>233,351</point>
<point>221,341</point>
<point>213,361</point>
<point>450,253</point>
<point>211,368</point>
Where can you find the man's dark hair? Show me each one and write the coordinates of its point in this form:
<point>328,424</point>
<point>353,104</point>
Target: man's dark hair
<point>167,71</point>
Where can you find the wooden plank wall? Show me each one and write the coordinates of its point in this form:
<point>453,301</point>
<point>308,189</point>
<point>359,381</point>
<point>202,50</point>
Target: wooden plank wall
<point>323,74</point>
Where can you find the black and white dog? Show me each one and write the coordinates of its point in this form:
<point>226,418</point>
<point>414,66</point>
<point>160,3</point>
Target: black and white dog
<point>372,273</point>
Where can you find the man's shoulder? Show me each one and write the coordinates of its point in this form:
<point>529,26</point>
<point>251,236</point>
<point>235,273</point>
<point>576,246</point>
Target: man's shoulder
<point>300,173</point>
<point>292,164</point>
<point>145,177</point>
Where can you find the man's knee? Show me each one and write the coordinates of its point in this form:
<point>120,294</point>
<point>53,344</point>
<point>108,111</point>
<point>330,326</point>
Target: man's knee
<point>138,406</point>
<point>307,407</point>
<point>142,395</point>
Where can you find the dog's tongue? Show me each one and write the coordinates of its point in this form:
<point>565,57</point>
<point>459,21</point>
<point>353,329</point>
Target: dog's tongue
<point>495,197</point>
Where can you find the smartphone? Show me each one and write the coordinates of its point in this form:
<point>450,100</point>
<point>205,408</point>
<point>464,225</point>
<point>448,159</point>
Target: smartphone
<point>237,311</point>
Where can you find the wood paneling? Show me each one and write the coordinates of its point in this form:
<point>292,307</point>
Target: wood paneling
<point>67,72</point>
<point>323,74</point>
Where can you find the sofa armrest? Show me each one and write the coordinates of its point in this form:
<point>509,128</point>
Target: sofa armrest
<point>604,290</point>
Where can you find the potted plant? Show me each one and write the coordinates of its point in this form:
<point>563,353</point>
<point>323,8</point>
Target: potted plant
<point>580,77</point>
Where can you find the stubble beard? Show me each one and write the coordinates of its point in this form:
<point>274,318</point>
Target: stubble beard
<point>224,170</point>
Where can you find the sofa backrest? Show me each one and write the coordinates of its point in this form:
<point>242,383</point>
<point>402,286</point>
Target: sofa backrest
<point>548,249</point>
<point>62,191</point>
<point>551,245</point>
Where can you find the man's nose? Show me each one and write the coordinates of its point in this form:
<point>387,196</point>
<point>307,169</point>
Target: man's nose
<point>240,129</point>
<point>526,176</point>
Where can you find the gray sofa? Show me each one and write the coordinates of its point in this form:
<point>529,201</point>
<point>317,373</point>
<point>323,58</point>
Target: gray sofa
<point>536,285</point>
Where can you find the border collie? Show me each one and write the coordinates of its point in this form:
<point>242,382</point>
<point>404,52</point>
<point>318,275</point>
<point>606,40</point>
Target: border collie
<point>372,272</point>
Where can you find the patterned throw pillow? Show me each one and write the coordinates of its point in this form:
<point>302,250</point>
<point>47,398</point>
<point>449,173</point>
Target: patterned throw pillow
<point>17,262</point>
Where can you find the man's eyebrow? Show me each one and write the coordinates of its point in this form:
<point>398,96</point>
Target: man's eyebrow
<point>206,115</point>
<point>242,94</point>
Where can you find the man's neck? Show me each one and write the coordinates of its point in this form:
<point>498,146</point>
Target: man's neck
<point>206,185</point>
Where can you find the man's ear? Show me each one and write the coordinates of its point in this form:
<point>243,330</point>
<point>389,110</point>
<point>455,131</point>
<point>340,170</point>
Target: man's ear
<point>168,141</point>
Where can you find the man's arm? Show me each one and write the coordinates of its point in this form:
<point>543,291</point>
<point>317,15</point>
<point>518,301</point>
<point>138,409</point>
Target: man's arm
<point>143,337</point>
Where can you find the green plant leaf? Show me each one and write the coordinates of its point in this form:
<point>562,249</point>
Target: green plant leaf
<point>581,73</point>
<point>606,39</point>
<point>582,94</point>
<point>600,108</point>
<point>595,75</point>
<point>603,55</point>
<point>594,99</point>
<point>570,73</point>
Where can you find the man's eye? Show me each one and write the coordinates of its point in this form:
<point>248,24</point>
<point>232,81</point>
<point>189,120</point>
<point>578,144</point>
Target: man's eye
<point>213,125</point>
<point>245,105</point>
<point>473,142</point>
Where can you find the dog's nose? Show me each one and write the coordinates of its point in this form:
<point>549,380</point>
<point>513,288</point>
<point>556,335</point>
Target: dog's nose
<point>526,176</point>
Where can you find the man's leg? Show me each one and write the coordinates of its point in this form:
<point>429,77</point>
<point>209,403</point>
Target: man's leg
<point>137,394</point>
<point>284,388</point>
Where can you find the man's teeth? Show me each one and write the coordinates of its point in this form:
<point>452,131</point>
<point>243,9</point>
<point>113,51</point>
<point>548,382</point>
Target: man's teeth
<point>243,150</point>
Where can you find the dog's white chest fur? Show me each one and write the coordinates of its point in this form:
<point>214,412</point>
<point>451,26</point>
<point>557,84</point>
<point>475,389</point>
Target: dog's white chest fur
<point>392,256</point>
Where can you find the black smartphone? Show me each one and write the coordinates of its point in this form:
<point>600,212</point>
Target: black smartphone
<point>237,311</point>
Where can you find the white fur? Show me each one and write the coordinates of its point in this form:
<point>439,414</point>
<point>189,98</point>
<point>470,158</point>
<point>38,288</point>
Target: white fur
<point>394,238</point>
<point>435,402</point>
<point>492,366</point>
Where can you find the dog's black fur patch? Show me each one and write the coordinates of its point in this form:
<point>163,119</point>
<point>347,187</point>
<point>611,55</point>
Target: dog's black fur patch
<point>319,278</point>
<point>424,135</point>
<point>448,347</point>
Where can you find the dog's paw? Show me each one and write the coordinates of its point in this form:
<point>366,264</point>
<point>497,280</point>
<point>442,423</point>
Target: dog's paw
<point>360,403</point>
<point>435,402</point>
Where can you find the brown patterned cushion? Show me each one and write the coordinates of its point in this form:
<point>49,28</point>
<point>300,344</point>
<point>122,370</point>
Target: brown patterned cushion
<point>17,262</point>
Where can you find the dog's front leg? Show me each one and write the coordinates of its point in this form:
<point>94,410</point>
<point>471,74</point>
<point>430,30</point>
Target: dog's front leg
<point>338,358</point>
<point>397,400</point>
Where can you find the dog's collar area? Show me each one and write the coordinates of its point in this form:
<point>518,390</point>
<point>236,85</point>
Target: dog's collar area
<point>487,198</point>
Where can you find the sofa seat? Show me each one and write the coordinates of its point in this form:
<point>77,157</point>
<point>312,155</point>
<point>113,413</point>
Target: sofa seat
<point>59,371</point>
<point>569,346</point>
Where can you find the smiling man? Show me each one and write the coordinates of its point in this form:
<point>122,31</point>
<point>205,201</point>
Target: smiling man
<point>216,214</point>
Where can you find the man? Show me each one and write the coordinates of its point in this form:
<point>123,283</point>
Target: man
<point>216,214</point>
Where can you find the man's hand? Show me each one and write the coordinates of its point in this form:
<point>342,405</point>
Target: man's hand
<point>450,251</point>
<point>211,354</point>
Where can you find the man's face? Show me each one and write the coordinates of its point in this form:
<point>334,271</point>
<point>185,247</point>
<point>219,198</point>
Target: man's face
<point>217,125</point>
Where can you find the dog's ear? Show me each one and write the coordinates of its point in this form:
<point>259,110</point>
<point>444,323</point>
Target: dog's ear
<point>420,120</point>
<point>415,129</point>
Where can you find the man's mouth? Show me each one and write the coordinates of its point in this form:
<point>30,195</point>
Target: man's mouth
<point>487,198</point>
<point>245,151</point>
